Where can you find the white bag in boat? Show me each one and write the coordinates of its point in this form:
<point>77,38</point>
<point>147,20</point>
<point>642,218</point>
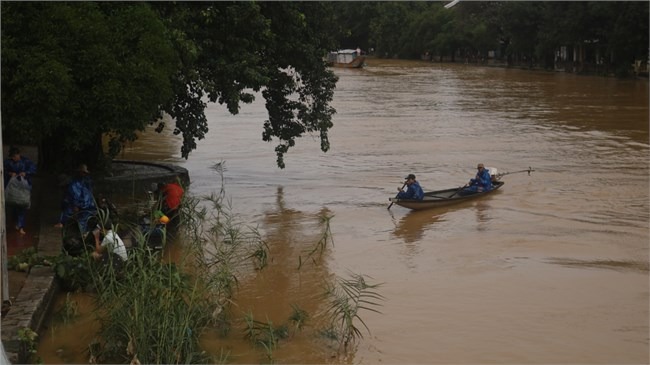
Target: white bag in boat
<point>494,175</point>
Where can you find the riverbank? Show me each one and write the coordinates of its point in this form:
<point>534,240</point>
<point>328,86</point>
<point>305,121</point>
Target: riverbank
<point>31,294</point>
<point>636,71</point>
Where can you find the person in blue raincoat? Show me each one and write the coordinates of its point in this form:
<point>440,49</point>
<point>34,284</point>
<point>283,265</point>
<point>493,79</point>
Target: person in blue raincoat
<point>78,201</point>
<point>482,181</point>
<point>413,191</point>
<point>23,168</point>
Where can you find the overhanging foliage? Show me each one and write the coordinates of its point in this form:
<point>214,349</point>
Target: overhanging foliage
<point>76,71</point>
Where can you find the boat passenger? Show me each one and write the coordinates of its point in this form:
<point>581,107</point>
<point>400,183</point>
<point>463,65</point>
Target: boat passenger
<point>414,191</point>
<point>482,181</point>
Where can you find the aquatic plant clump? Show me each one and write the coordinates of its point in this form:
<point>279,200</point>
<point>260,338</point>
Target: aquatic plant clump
<point>151,311</point>
<point>347,298</point>
<point>154,311</point>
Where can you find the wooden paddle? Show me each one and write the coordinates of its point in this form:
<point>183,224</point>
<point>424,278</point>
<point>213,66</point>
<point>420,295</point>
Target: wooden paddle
<point>458,191</point>
<point>391,203</point>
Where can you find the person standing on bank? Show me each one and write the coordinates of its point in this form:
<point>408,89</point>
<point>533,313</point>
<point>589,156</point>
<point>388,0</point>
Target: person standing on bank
<point>78,201</point>
<point>482,181</point>
<point>171,196</point>
<point>413,191</point>
<point>22,168</point>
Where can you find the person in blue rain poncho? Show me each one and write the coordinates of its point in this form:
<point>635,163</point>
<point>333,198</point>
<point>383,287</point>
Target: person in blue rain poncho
<point>22,168</point>
<point>413,191</point>
<point>482,181</point>
<point>78,201</point>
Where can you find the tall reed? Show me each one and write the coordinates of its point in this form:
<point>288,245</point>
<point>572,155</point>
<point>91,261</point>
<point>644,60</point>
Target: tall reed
<point>153,311</point>
<point>346,299</point>
<point>324,222</point>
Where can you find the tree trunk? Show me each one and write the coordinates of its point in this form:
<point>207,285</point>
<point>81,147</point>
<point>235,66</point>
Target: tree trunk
<point>4,272</point>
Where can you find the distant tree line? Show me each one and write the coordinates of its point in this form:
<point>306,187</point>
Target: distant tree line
<point>582,36</point>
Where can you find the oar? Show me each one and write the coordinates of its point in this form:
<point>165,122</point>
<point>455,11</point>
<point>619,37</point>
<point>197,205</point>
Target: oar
<point>391,203</point>
<point>458,191</point>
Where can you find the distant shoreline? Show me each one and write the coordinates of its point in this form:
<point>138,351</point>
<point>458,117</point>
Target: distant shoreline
<point>519,66</point>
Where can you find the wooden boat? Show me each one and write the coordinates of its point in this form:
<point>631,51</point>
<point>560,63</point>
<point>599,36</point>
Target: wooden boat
<point>440,198</point>
<point>346,58</point>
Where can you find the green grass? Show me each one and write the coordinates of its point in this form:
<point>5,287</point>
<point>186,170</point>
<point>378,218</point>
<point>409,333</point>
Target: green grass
<point>152,311</point>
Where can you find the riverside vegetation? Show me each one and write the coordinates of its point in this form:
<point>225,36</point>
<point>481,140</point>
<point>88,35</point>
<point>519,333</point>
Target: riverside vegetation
<point>151,310</point>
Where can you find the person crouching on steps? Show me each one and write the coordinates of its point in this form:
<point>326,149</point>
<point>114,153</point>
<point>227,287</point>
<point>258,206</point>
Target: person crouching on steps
<point>111,245</point>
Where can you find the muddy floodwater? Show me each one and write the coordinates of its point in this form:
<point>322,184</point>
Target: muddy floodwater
<point>552,268</point>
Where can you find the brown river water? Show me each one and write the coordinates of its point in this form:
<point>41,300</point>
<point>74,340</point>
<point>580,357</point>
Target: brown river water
<point>550,269</point>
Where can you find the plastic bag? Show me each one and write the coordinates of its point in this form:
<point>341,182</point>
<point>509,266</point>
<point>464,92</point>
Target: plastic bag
<point>18,192</point>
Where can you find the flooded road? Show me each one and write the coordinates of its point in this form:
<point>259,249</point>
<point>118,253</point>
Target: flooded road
<point>553,268</point>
